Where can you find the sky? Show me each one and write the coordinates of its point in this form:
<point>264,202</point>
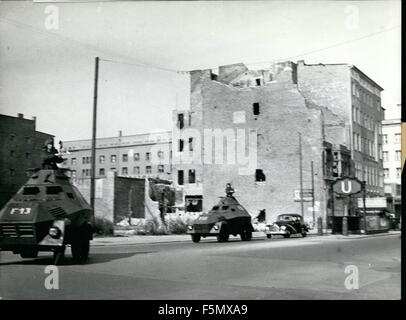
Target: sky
<point>47,59</point>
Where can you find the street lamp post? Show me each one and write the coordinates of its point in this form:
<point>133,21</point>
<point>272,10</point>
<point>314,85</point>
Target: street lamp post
<point>93,157</point>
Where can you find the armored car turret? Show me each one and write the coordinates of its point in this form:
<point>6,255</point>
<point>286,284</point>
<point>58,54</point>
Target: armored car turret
<point>46,214</point>
<point>227,217</point>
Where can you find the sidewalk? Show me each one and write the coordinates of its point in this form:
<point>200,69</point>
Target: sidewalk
<point>150,239</point>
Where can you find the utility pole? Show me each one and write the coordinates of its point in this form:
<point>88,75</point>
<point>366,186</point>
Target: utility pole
<point>312,173</point>
<point>93,168</point>
<point>301,175</point>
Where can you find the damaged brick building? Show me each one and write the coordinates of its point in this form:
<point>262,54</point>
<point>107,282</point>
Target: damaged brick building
<point>272,107</point>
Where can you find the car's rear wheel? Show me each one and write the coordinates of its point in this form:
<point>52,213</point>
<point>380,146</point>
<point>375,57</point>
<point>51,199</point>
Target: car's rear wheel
<point>269,236</point>
<point>224,235</point>
<point>196,237</point>
<point>29,253</point>
<point>246,234</point>
<point>304,233</point>
<point>287,234</point>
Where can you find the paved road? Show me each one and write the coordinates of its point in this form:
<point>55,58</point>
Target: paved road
<point>296,268</point>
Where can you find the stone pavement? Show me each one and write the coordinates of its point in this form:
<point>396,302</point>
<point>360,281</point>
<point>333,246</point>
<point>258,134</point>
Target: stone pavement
<point>147,239</point>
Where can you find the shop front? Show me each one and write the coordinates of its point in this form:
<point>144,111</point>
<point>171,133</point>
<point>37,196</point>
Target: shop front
<point>376,214</point>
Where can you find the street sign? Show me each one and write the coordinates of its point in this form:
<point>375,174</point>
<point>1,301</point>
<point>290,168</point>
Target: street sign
<point>307,195</point>
<point>347,186</point>
<point>376,202</point>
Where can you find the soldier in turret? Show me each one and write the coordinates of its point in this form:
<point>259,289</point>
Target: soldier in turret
<point>229,190</point>
<point>49,155</point>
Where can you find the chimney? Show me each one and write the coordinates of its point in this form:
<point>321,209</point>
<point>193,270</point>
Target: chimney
<point>120,133</point>
<point>20,115</point>
<point>34,118</point>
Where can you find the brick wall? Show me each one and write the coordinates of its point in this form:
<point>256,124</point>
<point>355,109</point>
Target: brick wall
<point>283,113</point>
<point>126,190</point>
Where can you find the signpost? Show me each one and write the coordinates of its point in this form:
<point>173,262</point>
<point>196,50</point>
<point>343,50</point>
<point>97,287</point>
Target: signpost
<point>347,186</point>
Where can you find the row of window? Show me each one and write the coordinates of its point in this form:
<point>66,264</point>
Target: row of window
<point>13,138</point>
<point>181,120</point>
<point>124,171</point>
<point>182,144</point>
<point>363,119</point>
<point>13,154</point>
<point>191,177</point>
<point>363,145</point>
<point>396,140</point>
<point>365,96</point>
<point>398,155</point>
<point>386,172</point>
<point>368,174</point>
<point>259,176</point>
<point>113,158</point>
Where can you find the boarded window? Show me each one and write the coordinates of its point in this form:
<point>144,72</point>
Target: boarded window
<point>255,108</point>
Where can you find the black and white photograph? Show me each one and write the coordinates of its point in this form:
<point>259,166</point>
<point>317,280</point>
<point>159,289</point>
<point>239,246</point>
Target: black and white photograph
<point>200,151</point>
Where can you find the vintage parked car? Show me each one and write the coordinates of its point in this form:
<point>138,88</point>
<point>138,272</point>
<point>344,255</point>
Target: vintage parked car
<point>286,225</point>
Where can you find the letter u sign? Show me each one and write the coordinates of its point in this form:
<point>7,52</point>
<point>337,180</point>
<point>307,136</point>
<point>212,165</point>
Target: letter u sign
<point>346,186</point>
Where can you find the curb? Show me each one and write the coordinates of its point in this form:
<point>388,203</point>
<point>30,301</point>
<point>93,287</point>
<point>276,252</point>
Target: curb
<point>331,236</point>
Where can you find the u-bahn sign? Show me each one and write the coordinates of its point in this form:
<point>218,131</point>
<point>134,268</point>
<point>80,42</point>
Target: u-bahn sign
<point>347,186</point>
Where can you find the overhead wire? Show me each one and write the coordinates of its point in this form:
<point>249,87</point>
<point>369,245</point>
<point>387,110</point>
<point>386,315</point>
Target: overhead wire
<point>161,68</point>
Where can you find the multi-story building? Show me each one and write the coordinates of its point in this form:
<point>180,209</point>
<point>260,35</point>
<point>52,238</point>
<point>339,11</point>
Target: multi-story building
<point>260,114</point>
<point>355,99</point>
<point>392,154</point>
<point>138,156</point>
<point>20,149</point>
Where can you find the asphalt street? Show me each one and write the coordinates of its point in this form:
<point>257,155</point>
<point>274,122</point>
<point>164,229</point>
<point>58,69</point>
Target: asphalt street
<point>296,268</point>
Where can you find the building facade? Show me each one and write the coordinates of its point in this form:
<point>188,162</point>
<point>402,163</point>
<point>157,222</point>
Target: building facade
<point>239,113</point>
<point>392,155</point>
<point>355,99</point>
<point>136,156</point>
<point>20,149</point>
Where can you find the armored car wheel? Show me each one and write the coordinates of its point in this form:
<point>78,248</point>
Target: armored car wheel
<point>224,234</point>
<point>269,236</point>
<point>29,253</point>
<point>287,234</point>
<point>304,234</point>
<point>246,234</point>
<point>195,237</point>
